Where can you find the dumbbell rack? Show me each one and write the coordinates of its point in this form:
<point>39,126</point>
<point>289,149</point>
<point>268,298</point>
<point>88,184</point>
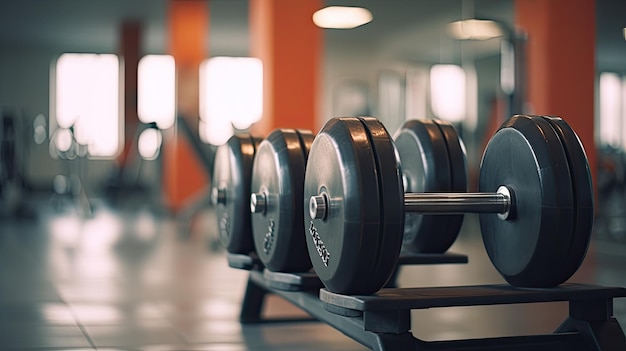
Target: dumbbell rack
<point>382,321</point>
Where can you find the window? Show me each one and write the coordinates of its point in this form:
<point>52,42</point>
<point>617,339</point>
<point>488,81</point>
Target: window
<point>85,99</point>
<point>447,92</point>
<point>611,96</point>
<point>156,90</point>
<point>231,95</point>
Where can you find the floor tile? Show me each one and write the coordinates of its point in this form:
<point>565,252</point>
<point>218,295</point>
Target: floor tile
<point>20,336</point>
<point>38,313</point>
<point>131,280</point>
<point>133,336</point>
<point>115,314</point>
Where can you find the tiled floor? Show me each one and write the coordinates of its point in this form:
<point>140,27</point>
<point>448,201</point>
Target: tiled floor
<point>127,279</point>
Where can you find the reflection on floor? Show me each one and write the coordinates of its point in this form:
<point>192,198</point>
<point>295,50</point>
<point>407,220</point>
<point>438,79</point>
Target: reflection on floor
<point>127,279</point>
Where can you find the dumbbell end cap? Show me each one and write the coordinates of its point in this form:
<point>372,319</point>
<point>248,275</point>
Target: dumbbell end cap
<point>317,207</point>
<point>257,203</point>
<point>509,199</point>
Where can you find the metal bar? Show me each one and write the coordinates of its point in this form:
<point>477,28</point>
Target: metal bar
<point>499,202</point>
<point>449,203</point>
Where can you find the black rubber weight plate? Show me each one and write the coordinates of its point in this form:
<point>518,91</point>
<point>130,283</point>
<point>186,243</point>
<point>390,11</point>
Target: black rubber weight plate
<point>343,245</point>
<point>583,195</point>
<point>278,172</point>
<point>232,175</point>
<point>391,203</point>
<point>528,250</point>
<point>425,166</point>
<point>306,140</point>
<point>458,183</point>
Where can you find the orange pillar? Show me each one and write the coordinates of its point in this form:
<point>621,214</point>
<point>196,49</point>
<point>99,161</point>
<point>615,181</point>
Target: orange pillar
<point>188,24</point>
<point>130,52</point>
<point>560,62</point>
<point>283,36</point>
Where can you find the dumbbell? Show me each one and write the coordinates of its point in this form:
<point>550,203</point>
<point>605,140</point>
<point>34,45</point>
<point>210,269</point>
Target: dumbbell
<point>230,194</point>
<point>276,212</point>
<point>276,198</point>
<point>236,169</point>
<point>535,203</point>
<point>433,161</point>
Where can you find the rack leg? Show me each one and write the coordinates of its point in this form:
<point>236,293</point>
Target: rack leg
<point>594,320</point>
<point>387,342</point>
<point>605,335</point>
<point>252,304</point>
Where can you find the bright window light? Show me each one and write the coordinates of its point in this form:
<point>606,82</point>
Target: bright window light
<point>156,90</point>
<point>610,109</point>
<point>474,29</point>
<point>217,133</point>
<point>507,67</point>
<point>149,143</point>
<point>470,120</point>
<point>341,17</point>
<point>231,94</point>
<point>447,92</point>
<point>63,139</point>
<point>87,98</point>
<point>623,100</point>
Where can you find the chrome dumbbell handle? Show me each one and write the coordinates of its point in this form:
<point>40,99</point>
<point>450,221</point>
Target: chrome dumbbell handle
<point>499,202</point>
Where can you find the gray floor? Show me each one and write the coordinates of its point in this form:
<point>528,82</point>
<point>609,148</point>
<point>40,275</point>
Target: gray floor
<point>127,279</point>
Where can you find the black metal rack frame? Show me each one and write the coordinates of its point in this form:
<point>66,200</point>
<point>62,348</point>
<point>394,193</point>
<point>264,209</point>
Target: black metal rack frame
<point>382,321</point>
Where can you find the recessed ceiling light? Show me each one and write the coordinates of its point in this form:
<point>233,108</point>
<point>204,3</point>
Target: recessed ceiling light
<point>474,29</point>
<point>341,17</point>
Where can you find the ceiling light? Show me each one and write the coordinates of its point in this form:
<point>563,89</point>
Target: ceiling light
<point>474,29</point>
<point>341,17</point>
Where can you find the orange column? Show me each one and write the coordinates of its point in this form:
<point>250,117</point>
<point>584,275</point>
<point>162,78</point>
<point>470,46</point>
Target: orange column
<point>560,62</point>
<point>284,37</point>
<point>188,24</point>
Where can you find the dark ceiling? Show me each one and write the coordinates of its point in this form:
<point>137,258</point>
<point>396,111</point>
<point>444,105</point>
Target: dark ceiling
<point>406,30</point>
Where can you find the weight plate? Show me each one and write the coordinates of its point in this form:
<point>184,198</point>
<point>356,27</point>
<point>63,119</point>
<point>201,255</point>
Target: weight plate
<point>529,248</point>
<point>306,138</point>
<point>232,174</point>
<point>278,175</point>
<point>458,183</point>
<point>391,203</point>
<point>425,167</point>
<point>583,195</point>
<point>343,244</point>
